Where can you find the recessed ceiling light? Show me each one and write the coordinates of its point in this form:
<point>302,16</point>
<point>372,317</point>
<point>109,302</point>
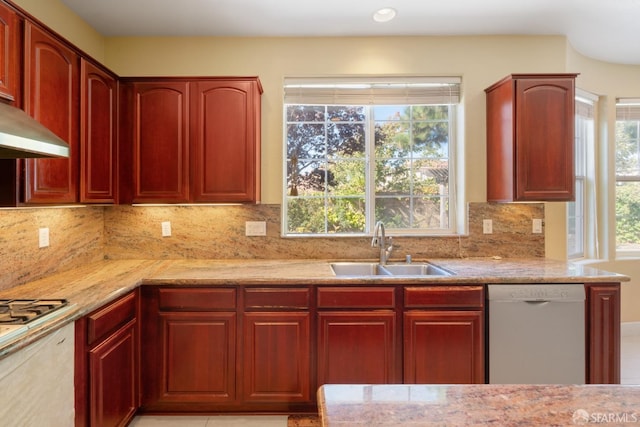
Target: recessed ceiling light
<point>384,15</point>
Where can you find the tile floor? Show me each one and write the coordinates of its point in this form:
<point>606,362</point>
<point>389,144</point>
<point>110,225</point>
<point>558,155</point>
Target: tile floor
<point>630,353</point>
<point>630,374</point>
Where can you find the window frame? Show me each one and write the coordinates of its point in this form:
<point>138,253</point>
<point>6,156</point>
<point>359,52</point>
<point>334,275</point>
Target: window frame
<point>585,181</point>
<point>628,107</point>
<point>370,197</point>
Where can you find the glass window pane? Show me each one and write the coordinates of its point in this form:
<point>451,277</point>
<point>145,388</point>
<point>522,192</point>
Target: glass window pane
<point>305,113</point>
<point>430,139</point>
<point>346,215</point>
<point>306,141</point>
<point>347,178</point>
<point>305,216</point>
<point>392,140</point>
<point>393,177</point>
<point>306,178</point>
<point>627,148</point>
<point>346,113</point>
<point>345,139</point>
<point>628,215</point>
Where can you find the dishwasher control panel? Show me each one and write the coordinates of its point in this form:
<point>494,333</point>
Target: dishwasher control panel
<point>537,292</point>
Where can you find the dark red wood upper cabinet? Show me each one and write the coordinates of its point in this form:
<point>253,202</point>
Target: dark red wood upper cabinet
<point>225,140</point>
<point>98,139</point>
<point>51,70</point>
<point>190,140</point>
<point>161,142</point>
<point>530,138</point>
<point>9,53</point>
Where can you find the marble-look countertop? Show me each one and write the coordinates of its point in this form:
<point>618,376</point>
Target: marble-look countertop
<point>481,404</point>
<point>93,285</point>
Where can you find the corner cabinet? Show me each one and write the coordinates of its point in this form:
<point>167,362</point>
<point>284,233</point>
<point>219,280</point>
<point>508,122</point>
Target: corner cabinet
<point>192,140</point>
<point>189,343</point>
<point>51,70</point>
<point>530,138</point>
<point>107,364</point>
<point>98,139</point>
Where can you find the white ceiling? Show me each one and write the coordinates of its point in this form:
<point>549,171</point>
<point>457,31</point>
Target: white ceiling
<point>608,30</point>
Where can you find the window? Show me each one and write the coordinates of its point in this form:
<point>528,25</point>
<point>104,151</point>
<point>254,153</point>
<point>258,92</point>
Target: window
<point>360,151</point>
<point>628,175</point>
<point>577,233</point>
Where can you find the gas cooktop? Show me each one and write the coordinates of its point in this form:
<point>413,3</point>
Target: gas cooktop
<point>19,315</point>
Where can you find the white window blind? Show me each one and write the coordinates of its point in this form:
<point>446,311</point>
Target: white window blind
<point>372,90</point>
<point>628,109</point>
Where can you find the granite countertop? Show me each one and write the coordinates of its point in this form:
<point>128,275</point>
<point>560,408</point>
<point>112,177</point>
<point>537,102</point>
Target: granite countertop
<point>481,404</point>
<point>91,286</point>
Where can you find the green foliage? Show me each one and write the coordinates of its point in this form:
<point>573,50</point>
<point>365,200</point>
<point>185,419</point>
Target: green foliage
<point>628,213</point>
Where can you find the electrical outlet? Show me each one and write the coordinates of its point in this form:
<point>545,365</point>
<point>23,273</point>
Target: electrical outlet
<point>537,226</point>
<point>43,237</point>
<point>255,228</point>
<point>166,229</point>
<point>487,226</point>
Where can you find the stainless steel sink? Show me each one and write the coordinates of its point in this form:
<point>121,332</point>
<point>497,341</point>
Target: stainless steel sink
<point>374,269</point>
<point>359,269</point>
<point>416,270</point>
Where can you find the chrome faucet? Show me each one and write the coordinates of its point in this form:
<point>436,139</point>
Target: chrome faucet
<point>379,241</point>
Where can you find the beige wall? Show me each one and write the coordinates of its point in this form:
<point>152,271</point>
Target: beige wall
<point>57,16</point>
<point>479,60</point>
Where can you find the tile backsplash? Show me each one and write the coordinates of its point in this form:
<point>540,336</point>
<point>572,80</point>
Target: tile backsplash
<point>83,235</point>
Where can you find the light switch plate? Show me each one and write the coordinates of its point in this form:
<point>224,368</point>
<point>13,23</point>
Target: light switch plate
<point>537,226</point>
<point>43,237</point>
<point>487,226</point>
<point>166,229</point>
<point>255,228</point>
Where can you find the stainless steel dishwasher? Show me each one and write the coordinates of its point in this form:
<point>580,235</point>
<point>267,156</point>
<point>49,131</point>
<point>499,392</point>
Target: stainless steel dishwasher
<point>536,334</point>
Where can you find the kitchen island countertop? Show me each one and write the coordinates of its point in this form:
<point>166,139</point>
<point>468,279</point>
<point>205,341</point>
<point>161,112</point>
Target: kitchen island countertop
<point>482,404</point>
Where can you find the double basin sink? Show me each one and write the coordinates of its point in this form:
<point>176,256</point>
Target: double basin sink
<point>360,269</point>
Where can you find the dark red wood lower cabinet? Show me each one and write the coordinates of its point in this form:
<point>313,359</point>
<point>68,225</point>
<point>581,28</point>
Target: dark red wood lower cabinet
<point>443,347</point>
<point>113,388</point>
<point>603,333</point>
<point>192,361</point>
<point>107,364</point>
<point>357,347</point>
<point>277,357</point>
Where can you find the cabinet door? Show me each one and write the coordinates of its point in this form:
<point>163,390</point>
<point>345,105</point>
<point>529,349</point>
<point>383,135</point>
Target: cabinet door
<point>225,140</point>
<point>113,376</point>
<point>357,348</point>
<point>98,168</point>
<point>544,135</point>
<point>160,142</point>
<point>443,347</point>
<point>9,64</point>
<point>603,333</point>
<point>276,357</point>
<point>52,98</point>
<point>193,360</point>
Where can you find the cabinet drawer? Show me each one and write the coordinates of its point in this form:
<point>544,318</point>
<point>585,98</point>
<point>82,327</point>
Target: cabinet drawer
<point>356,297</point>
<point>444,297</point>
<point>108,319</point>
<point>197,299</point>
<point>273,298</point>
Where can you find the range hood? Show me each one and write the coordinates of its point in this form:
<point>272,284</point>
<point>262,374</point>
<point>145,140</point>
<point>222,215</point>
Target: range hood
<point>21,136</point>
